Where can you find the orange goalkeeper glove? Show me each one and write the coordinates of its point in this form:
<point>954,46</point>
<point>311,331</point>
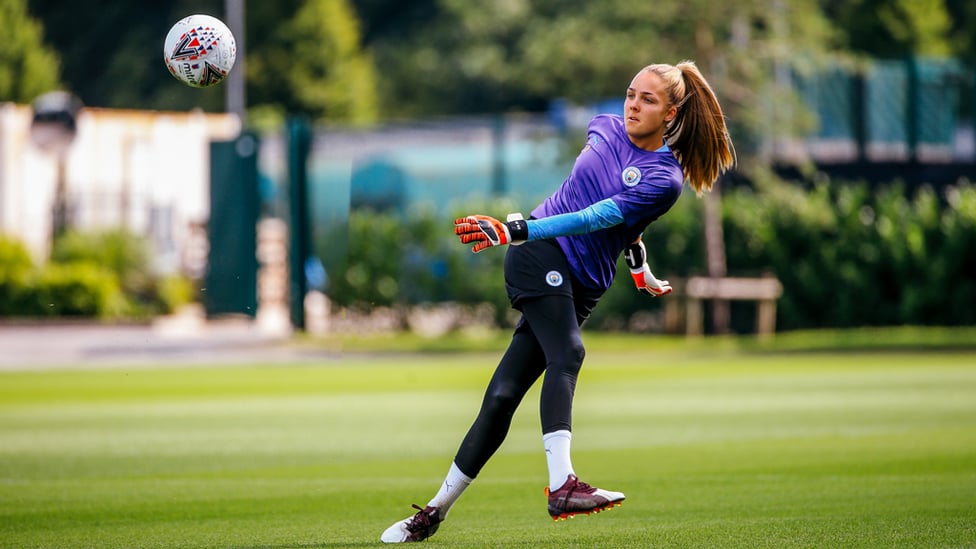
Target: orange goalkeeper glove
<point>487,231</point>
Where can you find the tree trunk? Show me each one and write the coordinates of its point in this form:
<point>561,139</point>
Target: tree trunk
<point>715,252</point>
<point>714,238</point>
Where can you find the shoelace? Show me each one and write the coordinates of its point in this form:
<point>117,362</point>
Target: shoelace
<point>420,521</point>
<point>581,487</point>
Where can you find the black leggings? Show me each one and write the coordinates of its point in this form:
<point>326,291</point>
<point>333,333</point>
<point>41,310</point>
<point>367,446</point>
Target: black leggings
<point>548,340</point>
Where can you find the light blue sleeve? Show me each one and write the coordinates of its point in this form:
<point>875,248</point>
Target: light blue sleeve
<point>601,215</point>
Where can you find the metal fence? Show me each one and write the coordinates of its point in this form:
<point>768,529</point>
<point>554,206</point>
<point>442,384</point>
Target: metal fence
<point>912,109</point>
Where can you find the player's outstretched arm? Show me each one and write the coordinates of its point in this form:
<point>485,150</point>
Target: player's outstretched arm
<point>487,231</point>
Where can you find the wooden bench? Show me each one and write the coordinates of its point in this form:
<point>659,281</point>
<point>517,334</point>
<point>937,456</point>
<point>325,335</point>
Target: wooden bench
<point>765,291</point>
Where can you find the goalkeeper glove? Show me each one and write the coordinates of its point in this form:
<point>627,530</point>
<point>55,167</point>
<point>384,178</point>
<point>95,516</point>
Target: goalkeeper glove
<point>644,279</point>
<point>487,231</point>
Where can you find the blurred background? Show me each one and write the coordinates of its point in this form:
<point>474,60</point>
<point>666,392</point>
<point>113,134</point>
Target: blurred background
<point>314,189</point>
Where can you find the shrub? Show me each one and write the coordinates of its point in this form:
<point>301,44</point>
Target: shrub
<point>396,260</point>
<point>117,250</point>
<point>15,272</point>
<point>127,257</point>
<point>77,289</point>
<point>104,274</point>
<point>174,291</point>
<point>847,255</point>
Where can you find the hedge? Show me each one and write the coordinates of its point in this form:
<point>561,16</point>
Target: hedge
<point>101,275</point>
<point>848,254</point>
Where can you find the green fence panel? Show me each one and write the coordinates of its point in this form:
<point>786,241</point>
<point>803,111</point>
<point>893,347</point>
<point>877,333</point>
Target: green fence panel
<point>230,283</point>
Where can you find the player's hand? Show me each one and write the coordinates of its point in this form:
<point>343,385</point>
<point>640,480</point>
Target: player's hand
<point>646,282</point>
<point>486,231</point>
<point>644,279</point>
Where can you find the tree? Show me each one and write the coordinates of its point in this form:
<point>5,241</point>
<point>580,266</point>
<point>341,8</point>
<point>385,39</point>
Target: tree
<point>471,57</point>
<point>892,28</point>
<point>303,55</point>
<point>28,67</point>
<point>311,62</point>
<point>962,13</point>
<point>383,20</point>
<point>112,52</point>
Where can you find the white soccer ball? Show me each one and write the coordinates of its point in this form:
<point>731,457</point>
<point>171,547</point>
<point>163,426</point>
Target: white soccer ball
<point>200,50</point>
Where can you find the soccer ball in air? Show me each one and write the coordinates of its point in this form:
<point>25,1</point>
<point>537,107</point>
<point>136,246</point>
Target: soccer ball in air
<point>199,50</point>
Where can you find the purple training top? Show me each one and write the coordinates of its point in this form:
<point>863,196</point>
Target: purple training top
<point>643,184</point>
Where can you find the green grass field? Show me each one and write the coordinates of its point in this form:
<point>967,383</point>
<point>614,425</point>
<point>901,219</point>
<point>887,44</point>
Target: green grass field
<point>714,445</point>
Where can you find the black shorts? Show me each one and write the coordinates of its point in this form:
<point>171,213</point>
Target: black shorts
<point>539,268</point>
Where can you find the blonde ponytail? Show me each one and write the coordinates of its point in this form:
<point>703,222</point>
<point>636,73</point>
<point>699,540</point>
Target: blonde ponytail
<point>697,135</point>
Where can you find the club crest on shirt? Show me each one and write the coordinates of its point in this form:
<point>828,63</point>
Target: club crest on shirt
<point>554,279</point>
<point>631,176</point>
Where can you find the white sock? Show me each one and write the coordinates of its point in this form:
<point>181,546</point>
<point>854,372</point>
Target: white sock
<point>557,445</point>
<point>451,489</point>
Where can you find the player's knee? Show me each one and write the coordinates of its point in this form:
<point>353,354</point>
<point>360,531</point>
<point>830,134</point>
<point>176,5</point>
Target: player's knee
<point>578,350</point>
<point>573,355</point>
<point>503,398</point>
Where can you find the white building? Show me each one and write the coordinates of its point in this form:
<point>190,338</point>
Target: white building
<point>146,171</point>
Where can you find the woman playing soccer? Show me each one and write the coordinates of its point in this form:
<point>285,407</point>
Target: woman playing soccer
<point>563,258</point>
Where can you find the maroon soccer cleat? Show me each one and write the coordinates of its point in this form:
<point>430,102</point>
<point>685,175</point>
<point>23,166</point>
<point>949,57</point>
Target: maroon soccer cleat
<point>416,528</point>
<point>579,498</point>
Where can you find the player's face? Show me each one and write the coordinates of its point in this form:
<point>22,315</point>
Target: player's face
<point>647,110</point>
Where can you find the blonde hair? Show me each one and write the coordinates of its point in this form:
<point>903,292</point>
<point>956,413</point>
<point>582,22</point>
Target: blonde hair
<point>697,135</point>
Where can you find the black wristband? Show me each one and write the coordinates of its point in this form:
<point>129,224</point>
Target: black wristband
<point>518,230</point>
<point>634,256</point>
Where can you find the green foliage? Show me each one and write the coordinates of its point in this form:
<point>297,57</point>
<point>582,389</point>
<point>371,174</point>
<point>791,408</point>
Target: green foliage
<point>15,272</point>
<point>370,277</point>
<point>76,289</point>
<point>127,257</point>
<point>174,291</point>
<point>15,261</point>
<point>28,67</point>
<point>111,52</point>
<point>431,266</point>
<point>104,275</point>
<point>325,57</point>
<point>922,24</point>
<point>122,253</point>
<point>962,15</point>
<point>491,57</point>
<point>894,28</point>
<point>300,56</point>
<point>311,62</point>
<point>847,256</point>
<point>411,260</point>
